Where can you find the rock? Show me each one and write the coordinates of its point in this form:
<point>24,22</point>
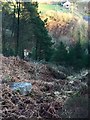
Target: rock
<point>23,87</point>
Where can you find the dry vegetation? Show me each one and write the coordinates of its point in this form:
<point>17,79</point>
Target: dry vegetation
<point>50,93</point>
<point>65,27</point>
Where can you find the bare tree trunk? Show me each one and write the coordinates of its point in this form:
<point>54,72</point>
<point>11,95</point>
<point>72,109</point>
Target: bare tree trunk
<point>36,50</point>
<point>18,22</point>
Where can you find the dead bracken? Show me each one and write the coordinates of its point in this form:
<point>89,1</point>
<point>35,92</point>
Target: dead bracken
<point>48,96</point>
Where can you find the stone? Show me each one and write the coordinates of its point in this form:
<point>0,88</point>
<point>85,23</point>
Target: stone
<point>23,87</point>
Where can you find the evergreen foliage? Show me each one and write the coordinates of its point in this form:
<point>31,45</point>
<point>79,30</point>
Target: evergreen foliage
<point>60,54</point>
<point>24,29</point>
<point>29,31</point>
<point>76,56</point>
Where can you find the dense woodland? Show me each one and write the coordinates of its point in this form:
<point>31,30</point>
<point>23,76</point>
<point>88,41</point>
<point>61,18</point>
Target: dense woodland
<point>24,29</point>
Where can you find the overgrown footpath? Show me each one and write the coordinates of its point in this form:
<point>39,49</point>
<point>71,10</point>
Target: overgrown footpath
<point>55,92</point>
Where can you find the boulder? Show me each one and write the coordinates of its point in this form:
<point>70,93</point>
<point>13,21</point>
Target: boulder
<point>22,87</point>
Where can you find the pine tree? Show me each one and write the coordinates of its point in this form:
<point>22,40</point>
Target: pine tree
<point>7,43</point>
<point>60,54</point>
<point>77,56</point>
<point>42,39</point>
<point>29,31</point>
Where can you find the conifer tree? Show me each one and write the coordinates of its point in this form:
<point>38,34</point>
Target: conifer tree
<point>60,54</point>
<point>29,31</point>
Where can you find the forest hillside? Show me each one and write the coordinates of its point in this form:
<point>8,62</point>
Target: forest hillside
<point>44,60</point>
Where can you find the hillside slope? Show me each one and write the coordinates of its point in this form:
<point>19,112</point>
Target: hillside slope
<point>49,94</point>
<point>63,24</point>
